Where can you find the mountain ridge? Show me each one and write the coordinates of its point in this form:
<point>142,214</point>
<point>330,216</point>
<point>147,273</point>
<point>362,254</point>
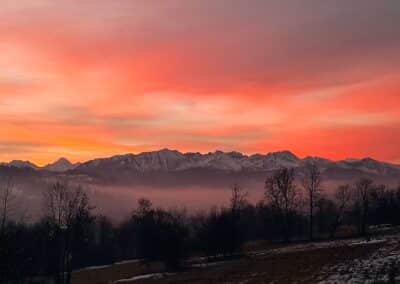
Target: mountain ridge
<point>166,159</point>
<point>173,160</point>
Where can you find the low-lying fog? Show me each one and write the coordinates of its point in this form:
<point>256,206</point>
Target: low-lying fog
<point>118,202</point>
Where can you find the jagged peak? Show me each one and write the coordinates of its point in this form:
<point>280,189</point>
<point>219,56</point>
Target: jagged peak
<point>60,165</point>
<point>167,150</point>
<point>236,154</point>
<point>284,154</point>
<point>61,160</point>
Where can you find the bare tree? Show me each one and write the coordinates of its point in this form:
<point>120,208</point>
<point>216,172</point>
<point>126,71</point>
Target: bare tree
<point>6,206</point>
<point>312,185</point>
<point>238,198</point>
<point>282,195</point>
<point>7,198</point>
<point>66,206</point>
<point>237,204</point>
<point>363,194</point>
<point>342,197</point>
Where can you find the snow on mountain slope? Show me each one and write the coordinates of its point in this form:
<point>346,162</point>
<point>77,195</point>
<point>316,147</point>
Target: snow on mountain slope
<point>20,164</point>
<point>369,165</point>
<point>61,165</point>
<point>174,161</point>
<point>168,160</point>
<point>161,160</point>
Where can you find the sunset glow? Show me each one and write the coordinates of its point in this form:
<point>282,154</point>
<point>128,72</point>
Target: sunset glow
<point>87,79</point>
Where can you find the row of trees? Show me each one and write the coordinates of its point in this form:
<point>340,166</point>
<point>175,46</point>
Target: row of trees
<point>359,205</point>
<point>71,236</point>
<point>47,246</point>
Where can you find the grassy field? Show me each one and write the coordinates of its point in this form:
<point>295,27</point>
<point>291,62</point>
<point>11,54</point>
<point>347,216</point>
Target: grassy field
<point>299,267</point>
<point>300,263</point>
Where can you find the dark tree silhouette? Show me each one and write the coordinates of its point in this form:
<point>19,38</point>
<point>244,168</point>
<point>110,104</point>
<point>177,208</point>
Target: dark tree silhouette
<point>69,213</point>
<point>312,185</point>
<point>7,199</point>
<point>161,235</point>
<point>342,197</point>
<point>6,234</point>
<point>223,231</point>
<point>363,191</point>
<point>237,205</point>
<point>325,213</point>
<point>215,233</point>
<point>281,194</point>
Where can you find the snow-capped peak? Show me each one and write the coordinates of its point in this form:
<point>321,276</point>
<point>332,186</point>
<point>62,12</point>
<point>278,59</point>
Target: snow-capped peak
<point>173,161</point>
<point>61,165</point>
<point>21,164</point>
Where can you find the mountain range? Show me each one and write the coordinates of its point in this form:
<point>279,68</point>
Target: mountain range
<point>172,178</point>
<point>172,161</point>
<point>61,165</point>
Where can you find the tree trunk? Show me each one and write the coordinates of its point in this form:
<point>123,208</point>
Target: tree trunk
<point>311,218</point>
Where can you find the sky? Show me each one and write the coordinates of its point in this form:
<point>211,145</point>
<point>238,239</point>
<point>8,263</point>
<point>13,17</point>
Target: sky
<point>87,79</point>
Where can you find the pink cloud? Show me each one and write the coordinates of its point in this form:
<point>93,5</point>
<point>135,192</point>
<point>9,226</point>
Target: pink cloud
<point>104,77</point>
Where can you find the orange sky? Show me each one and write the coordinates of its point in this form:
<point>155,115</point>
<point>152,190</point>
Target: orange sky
<point>84,79</point>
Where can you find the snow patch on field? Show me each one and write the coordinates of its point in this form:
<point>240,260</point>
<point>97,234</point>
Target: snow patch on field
<point>93,268</point>
<point>320,245</point>
<point>380,267</point>
<point>128,261</point>
<point>144,276</point>
<point>124,262</point>
<point>208,264</point>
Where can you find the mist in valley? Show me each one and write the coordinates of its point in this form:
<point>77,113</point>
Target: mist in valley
<point>118,202</point>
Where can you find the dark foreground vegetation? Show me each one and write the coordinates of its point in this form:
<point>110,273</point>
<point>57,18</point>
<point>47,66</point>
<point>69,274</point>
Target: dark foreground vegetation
<point>70,236</point>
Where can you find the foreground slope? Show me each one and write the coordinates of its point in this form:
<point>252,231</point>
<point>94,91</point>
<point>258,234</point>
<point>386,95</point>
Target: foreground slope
<point>341,261</point>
